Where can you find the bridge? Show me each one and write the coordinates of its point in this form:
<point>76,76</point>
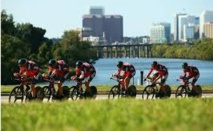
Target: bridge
<point>123,50</point>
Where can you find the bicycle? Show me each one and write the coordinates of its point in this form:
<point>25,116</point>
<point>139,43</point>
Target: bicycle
<point>49,92</point>
<point>77,92</point>
<point>151,90</point>
<point>118,90</point>
<point>185,89</point>
<point>22,92</point>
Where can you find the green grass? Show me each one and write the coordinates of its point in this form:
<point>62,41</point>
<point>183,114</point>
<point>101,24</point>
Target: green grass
<point>110,115</point>
<point>8,88</point>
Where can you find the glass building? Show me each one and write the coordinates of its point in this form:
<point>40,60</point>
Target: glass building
<point>160,33</point>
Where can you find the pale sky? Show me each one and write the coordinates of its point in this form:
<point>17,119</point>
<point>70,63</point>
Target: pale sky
<point>57,16</point>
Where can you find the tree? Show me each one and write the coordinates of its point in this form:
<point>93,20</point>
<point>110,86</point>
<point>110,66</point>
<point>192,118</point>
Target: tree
<point>12,50</point>
<point>72,49</point>
<point>33,36</point>
<point>7,24</point>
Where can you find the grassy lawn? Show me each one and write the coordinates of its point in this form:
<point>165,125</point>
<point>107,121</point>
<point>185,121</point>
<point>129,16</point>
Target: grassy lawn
<point>110,115</point>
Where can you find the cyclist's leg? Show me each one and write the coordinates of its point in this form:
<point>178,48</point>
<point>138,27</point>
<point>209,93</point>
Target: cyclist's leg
<point>163,82</point>
<point>60,90</point>
<point>87,83</point>
<point>32,88</point>
<point>194,80</point>
<point>33,91</point>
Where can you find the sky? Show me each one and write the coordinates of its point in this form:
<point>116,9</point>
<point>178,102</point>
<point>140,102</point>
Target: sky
<point>58,16</point>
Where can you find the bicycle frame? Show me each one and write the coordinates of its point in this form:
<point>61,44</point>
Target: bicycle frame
<point>77,91</point>
<point>152,89</point>
<point>184,89</point>
<point>116,90</point>
<point>19,92</point>
<point>49,91</point>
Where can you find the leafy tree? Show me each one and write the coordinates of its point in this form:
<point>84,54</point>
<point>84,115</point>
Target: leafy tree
<point>72,49</point>
<point>12,50</point>
<point>31,35</point>
<point>7,24</point>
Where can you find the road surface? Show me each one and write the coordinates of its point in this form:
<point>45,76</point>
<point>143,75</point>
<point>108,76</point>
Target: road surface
<point>4,99</point>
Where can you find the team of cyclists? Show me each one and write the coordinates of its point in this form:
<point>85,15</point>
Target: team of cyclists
<point>59,71</point>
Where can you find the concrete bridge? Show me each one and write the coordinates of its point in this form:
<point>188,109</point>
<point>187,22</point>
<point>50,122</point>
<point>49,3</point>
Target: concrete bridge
<point>123,50</point>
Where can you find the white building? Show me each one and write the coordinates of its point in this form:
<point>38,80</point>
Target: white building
<point>160,33</point>
<point>185,23</point>
<point>205,17</point>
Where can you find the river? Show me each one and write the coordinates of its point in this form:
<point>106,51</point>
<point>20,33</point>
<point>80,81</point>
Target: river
<point>106,67</point>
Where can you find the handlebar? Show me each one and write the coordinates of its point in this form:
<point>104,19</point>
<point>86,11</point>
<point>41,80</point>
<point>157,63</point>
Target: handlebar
<point>183,81</point>
<point>79,82</point>
<point>50,80</point>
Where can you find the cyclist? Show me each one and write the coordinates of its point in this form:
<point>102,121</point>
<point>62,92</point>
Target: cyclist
<point>190,72</point>
<point>162,73</point>
<point>28,70</point>
<point>84,71</point>
<point>128,71</point>
<point>59,71</point>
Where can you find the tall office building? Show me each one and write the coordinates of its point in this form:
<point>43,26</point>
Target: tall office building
<point>176,26</point>
<point>108,27</point>
<point>160,33</point>
<point>113,28</point>
<point>96,10</point>
<point>188,33</point>
<point>184,22</point>
<point>205,17</point>
<point>208,30</point>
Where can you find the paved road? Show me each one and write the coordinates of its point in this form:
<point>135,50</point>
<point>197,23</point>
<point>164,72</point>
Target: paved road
<point>4,99</point>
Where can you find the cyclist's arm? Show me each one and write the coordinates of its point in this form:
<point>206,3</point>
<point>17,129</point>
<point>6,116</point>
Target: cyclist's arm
<point>157,78</point>
<point>149,73</point>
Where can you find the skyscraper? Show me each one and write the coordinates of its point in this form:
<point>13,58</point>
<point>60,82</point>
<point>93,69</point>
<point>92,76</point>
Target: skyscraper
<point>208,30</point>
<point>96,10</point>
<point>183,25</point>
<point>176,26</point>
<point>160,33</point>
<point>107,27</point>
<point>205,17</point>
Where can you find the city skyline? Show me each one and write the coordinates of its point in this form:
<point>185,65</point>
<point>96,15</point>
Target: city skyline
<point>138,16</point>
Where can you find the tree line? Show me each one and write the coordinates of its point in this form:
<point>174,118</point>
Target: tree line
<point>200,49</point>
<point>23,40</point>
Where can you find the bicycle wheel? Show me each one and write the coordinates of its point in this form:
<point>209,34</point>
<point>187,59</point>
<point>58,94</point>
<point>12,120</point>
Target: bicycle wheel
<point>197,92</point>
<point>46,91</point>
<point>114,92</point>
<point>181,91</point>
<point>66,91</point>
<point>93,91</point>
<point>39,95</point>
<point>148,92</point>
<point>132,91</point>
<point>167,91</point>
<point>17,93</point>
<point>74,93</point>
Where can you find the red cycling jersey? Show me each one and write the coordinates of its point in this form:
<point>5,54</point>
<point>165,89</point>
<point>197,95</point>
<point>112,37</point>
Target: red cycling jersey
<point>86,70</point>
<point>31,69</point>
<point>191,70</point>
<point>161,69</point>
<point>129,70</point>
<point>60,69</point>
